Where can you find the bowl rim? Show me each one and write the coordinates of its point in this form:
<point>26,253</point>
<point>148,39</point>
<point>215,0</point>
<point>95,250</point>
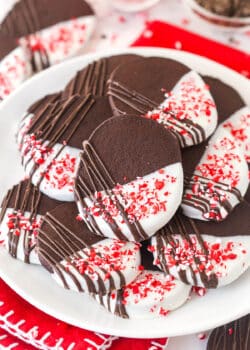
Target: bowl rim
<point>241,21</point>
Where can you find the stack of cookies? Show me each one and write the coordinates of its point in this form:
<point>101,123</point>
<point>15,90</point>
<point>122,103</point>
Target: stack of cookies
<point>136,188</point>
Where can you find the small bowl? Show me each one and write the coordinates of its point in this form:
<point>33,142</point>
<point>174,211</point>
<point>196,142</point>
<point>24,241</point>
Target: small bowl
<point>218,20</point>
<point>133,5</point>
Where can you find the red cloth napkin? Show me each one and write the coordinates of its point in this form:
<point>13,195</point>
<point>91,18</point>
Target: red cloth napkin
<point>21,323</point>
<point>162,34</point>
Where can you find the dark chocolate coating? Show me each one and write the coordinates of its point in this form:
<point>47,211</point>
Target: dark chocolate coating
<point>147,76</point>
<point>30,16</point>
<point>52,247</point>
<point>93,78</point>
<point>7,44</point>
<point>24,192</point>
<point>147,257</point>
<point>89,113</point>
<point>235,224</point>
<point>227,101</point>
<point>132,147</point>
<point>37,106</point>
<point>232,336</point>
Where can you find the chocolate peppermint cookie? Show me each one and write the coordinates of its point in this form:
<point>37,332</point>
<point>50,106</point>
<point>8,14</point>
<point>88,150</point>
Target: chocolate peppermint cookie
<point>129,180</point>
<point>203,253</point>
<point>81,261</point>
<point>93,78</point>
<point>49,32</point>
<point>167,92</point>
<point>22,211</point>
<point>50,140</point>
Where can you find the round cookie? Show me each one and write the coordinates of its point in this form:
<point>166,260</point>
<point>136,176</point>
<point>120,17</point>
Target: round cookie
<point>93,78</point>
<point>129,181</point>
<point>81,261</point>
<point>232,336</point>
<point>152,294</point>
<point>22,211</point>
<point>50,141</point>
<point>168,92</point>
<point>203,253</point>
<point>220,179</point>
<point>49,32</point>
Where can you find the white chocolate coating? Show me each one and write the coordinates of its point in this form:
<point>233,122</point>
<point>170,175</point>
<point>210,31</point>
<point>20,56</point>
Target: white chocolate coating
<point>223,168</point>
<point>106,260</point>
<point>150,201</point>
<point>22,236</point>
<point>189,100</point>
<point>152,294</point>
<point>228,258</point>
<point>239,127</point>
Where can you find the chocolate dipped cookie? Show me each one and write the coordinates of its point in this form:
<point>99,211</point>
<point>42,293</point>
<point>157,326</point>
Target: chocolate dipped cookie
<point>81,261</point>
<point>129,180</point>
<point>168,92</point>
<point>50,140</point>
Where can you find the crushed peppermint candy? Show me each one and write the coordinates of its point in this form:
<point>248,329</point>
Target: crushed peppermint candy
<point>212,259</point>
<point>61,172</point>
<point>219,168</point>
<point>190,102</point>
<point>149,284</point>
<point>18,223</point>
<point>35,149</point>
<point>13,70</point>
<point>200,291</point>
<point>139,199</point>
<point>240,130</point>
<point>58,41</point>
<point>110,258</point>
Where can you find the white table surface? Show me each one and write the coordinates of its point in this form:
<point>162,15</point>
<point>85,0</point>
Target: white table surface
<point>117,30</point>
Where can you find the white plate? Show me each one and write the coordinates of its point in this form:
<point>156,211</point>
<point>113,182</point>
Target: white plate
<point>35,284</point>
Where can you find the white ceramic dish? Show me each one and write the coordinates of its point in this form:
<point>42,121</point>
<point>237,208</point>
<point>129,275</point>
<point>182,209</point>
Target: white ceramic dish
<point>35,284</point>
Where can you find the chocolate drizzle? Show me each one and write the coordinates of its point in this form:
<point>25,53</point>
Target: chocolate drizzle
<point>92,80</point>
<point>233,336</point>
<point>22,198</point>
<point>166,236</point>
<point>65,242</point>
<point>97,174</point>
<point>57,123</point>
<point>38,57</point>
<point>200,202</point>
<point>143,105</point>
<point>120,309</point>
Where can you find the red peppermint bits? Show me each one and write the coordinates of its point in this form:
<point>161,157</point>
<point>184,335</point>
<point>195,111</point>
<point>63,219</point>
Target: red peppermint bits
<point>19,222</point>
<point>104,259</point>
<point>213,259</point>
<point>140,199</point>
<point>148,284</point>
